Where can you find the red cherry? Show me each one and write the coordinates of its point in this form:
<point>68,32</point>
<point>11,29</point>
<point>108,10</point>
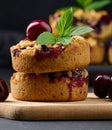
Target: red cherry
<point>3,90</point>
<point>110,90</point>
<point>101,85</point>
<point>37,27</point>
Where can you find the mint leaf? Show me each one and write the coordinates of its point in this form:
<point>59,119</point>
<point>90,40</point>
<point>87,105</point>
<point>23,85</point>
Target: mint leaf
<point>65,22</point>
<point>80,30</point>
<point>46,38</point>
<point>84,3</point>
<point>98,4</point>
<point>64,40</point>
<point>87,2</point>
<point>68,8</point>
<point>90,4</point>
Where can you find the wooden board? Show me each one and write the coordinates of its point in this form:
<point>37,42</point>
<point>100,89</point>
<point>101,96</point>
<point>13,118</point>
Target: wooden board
<point>90,109</point>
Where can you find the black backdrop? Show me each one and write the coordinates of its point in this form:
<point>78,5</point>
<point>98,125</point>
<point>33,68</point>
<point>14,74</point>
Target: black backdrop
<point>16,14</point>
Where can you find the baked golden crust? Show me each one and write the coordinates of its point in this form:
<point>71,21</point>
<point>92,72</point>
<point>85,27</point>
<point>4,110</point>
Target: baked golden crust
<point>97,50</point>
<point>42,87</point>
<point>99,20</point>
<point>110,54</point>
<point>26,56</point>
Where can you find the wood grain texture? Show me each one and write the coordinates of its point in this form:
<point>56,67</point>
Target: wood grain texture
<point>90,109</point>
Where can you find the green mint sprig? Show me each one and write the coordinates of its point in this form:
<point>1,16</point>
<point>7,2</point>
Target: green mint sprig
<point>98,4</point>
<point>87,5</point>
<point>84,3</point>
<point>74,8</point>
<point>65,31</point>
<point>90,4</point>
<point>64,24</point>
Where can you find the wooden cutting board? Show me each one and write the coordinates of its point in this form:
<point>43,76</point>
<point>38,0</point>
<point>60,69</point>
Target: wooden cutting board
<point>90,109</point>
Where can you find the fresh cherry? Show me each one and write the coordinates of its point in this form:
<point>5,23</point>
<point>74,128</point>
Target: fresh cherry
<point>101,85</point>
<point>37,27</point>
<point>3,90</point>
<point>110,90</point>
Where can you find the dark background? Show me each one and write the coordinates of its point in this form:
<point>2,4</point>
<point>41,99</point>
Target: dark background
<point>15,15</point>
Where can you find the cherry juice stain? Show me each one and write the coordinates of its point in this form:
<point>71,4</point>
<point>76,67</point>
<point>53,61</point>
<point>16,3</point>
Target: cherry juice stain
<point>77,80</point>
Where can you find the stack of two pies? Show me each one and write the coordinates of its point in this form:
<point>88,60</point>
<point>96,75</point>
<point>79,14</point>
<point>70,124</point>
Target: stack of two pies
<point>50,72</point>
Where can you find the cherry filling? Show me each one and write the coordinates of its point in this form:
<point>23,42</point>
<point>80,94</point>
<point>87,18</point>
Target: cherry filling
<point>105,20</point>
<point>48,52</point>
<point>82,20</point>
<point>76,80</point>
<point>16,52</point>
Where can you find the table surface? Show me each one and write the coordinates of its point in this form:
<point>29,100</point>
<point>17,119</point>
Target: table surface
<point>6,124</point>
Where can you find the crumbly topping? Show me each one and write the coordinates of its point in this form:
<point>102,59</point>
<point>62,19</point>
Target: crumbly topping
<point>91,16</point>
<point>78,40</point>
<point>58,13</point>
<point>78,72</point>
<point>26,44</point>
<point>70,74</point>
<point>78,37</point>
<point>82,72</point>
